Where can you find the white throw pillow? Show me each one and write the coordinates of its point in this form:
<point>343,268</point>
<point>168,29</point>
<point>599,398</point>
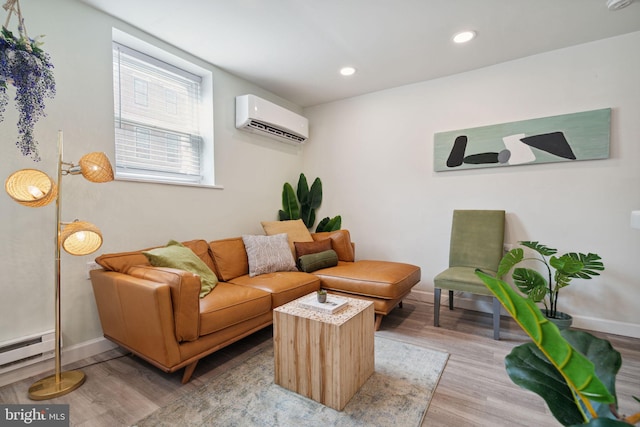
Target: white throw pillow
<point>268,254</point>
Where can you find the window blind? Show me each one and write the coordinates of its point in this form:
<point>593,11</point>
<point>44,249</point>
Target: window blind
<point>156,118</point>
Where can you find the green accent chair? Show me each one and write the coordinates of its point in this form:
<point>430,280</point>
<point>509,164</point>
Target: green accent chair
<point>477,241</point>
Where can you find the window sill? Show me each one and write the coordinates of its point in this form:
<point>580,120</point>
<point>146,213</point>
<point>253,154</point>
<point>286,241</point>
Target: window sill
<point>183,184</point>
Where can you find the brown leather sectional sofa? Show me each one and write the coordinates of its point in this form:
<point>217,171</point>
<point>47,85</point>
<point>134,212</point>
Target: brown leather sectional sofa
<point>157,314</point>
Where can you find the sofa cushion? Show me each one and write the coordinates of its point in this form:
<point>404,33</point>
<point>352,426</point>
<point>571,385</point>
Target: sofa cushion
<point>340,242</point>
<point>295,230</point>
<point>229,258</point>
<point>268,254</point>
<point>123,261</point>
<point>231,304</point>
<point>176,255</point>
<point>313,262</point>
<point>306,248</point>
<point>283,286</point>
<point>201,248</point>
<point>379,279</point>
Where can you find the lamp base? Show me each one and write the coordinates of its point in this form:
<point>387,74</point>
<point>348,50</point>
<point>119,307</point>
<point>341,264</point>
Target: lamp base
<point>48,388</point>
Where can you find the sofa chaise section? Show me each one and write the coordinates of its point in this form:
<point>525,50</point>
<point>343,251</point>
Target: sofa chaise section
<point>384,283</point>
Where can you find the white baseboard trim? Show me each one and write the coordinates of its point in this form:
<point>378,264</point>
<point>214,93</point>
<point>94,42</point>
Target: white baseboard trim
<point>483,304</point>
<point>69,355</point>
<point>607,326</point>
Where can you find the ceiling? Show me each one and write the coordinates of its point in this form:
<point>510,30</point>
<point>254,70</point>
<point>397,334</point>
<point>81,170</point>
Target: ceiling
<point>294,48</point>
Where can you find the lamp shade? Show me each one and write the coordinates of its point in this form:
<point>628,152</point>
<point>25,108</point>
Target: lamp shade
<point>31,187</point>
<point>96,167</point>
<point>80,238</point>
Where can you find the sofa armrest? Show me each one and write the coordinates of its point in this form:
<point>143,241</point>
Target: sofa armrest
<point>185,297</point>
<point>137,314</point>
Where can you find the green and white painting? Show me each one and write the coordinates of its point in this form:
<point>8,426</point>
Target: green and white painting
<point>564,138</point>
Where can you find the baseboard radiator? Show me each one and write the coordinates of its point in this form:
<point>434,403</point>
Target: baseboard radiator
<point>24,351</point>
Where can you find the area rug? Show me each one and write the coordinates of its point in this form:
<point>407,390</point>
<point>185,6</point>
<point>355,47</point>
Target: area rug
<point>397,394</point>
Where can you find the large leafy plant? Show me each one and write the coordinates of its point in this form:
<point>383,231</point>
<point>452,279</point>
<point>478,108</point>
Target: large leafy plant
<point>302,204</point>
<point>545,288</point>
<point>573,371</point>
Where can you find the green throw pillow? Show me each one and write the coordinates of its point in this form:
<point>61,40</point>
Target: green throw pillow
<point>313,262</point>
<point>176,255</point>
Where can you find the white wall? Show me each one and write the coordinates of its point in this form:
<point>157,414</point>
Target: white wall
<point>374,154</point>
<point>131,215</point>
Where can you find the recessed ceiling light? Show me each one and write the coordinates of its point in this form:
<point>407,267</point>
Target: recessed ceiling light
<point>464,36</point>
<point>347,71</point>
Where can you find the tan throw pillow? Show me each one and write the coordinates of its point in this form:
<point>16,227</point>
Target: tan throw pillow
<point>307,248</point>
<point>295,230</point>
<point>268,254</point>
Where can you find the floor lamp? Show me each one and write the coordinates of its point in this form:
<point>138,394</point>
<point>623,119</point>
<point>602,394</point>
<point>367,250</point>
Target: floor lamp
<point>33,188</point>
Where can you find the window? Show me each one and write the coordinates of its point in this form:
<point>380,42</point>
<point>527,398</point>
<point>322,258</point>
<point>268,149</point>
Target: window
<point>159,111</point>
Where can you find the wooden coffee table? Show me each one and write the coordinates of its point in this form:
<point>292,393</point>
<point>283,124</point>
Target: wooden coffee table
<point>325,357</point>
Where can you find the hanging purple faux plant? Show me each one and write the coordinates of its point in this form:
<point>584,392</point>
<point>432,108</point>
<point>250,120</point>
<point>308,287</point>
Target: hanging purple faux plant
<point>29,69</point>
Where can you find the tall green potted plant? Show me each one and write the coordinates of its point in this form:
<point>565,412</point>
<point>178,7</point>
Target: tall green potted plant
<point>302,204</point>
<point>545,288</point>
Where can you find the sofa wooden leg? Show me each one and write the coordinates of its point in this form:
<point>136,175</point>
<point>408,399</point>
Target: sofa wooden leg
<point>400,304</point>
<point>188,371</point>
<point>378,321</point>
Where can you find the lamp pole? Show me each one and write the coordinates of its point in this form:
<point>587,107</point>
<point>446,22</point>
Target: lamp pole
<point>61,382</point>
<point>57,267</point>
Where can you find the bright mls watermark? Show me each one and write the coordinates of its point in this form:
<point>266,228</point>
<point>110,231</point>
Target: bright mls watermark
<point>34,415</point>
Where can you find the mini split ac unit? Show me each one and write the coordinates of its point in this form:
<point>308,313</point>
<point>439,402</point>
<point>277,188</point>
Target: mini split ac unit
<point>260,116</point>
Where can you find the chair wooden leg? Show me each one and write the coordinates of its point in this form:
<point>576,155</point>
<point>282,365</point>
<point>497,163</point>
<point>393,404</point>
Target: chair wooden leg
<point>436,306</point>
<point>378,322</point>
<point>450,300</point>
<point>496,319</point>
<point>188,371</point>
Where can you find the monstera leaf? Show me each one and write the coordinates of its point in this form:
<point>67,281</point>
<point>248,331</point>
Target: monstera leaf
<point>511,258</point>
<point>541,249</point>
<point>531,283</point>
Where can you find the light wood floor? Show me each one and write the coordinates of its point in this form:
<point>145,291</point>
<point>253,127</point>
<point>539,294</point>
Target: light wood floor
<point>474,389</point>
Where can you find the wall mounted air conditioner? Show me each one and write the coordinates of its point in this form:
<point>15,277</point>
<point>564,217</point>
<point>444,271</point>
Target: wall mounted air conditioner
<point>260,116</point>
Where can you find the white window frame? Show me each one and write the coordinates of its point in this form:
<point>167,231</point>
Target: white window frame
<point>205,107</point>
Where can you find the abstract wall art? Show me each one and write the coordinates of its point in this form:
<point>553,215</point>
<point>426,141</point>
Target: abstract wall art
<point>564,138</point>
